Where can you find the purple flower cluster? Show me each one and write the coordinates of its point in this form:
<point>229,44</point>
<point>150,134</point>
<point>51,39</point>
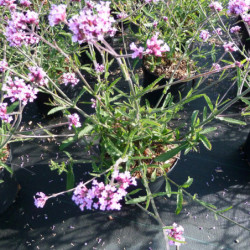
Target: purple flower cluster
<point>69,78</point>
<point>17,90</point>
<point>93,23</point>
<point>216,6</point>
<point>40,200</point>
<point>57,14</point>
<point>3,65</point>
<point>218,31</point>
<point>176,233</point>
<point>138,51</point>
<point>37,75</point>
<point>246,18</point>
<point>16,32</point>
<point>235,29</point>
<point>25,3</point>
<point>104,197</point>
<point>216,66</point>
<point>8,3</point>
<point>74,119</point>
<point>99,68</point>
<point>156,46</point>
<point>237,7</point>
<point>122,15</point>
<point>230,47</point>
<point>204,35</point>
<point>3,113</point>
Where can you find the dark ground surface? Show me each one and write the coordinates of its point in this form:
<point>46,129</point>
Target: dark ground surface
<point>221,177</point>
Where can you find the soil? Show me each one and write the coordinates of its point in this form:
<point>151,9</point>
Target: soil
<point>4,154</point>
<point>155,150</point>
<point>168,66</point>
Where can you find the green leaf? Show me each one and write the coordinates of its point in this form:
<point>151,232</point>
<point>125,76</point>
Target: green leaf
<point>153,176</point>
<point>205,142</point>
<point>224,210</point>
<point>147,203</point>
<point>171,153</point>
<point>168,189</point>
<point>209,103</point>
<point>114,83</point>
<point>137,200</point>
<point>204,116</point>
<point>12,107</point>
<point>67,142</point>
<point>208,130</point>
<point>194,117</point>
<point>179,201</point>
<point>1,181</point>
<point>85,131</point>
<point>77,60</point>
<point>6,167</point>
<point>207,204</point>
<point>135,191</point>
<point>230,120</point>
<point>150,122</point>
<point>56,109</point>
<point>188,183</point>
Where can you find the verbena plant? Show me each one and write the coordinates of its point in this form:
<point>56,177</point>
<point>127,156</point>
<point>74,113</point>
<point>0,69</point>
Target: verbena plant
<point>46,45</point>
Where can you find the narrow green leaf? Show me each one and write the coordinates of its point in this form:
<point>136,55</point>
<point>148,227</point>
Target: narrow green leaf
<point>150,122</point>
<point>6,167</point>
<point>205,142</point>
<point>168,189</point>
<point>171,153</point>
<point>194,117</point>
<point>135,191</point>
<point>179,201</point>
<point>207,204</point>
<point>153,176</point>
<point>1,181</point>
<point>208,130</point>
<point>231,120</point>
<point>147,203</point>
<point>137,200</point>
<point>12,107</point>
<point>188,183</point>
<point>209,103</point>
<point>204,113</point>
<point>66,143</point>
<point>56,109</point>
<point>224,210</point>
<point>85,131</point>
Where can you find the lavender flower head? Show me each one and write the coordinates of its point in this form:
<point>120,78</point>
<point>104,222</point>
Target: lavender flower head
<point>216,6</point>
<point>237,7</point>
<point>176,233</point>
<point>204,35</point>
<point>40,200</point>
<point>93,23</point>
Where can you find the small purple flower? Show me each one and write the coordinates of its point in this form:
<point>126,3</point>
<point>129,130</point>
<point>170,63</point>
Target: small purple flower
<point>218,31</point>
<point>238,64</point>
<point>156,46</point>
<point>93,103</point>
<point>216,6</point>
<point>138,51</point>
<point>99,68</point>
<point>165,18</point>
<point>40,200</point>
<point>37,75</point>
<point>155,23</point>
<point>3,113</point>
<point>176,232</point>
<point>3,66</point>
<point>230,47</point>
<point>204,35</point>
<point>216,66</point>
<point>237,7</point>
<point>25,3</point>
<point>70,78</point>
<point>122,15</point>
<point>57,14</point>
<point>235,29</point>
<point>74,119</point>
<point>246,18</point>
